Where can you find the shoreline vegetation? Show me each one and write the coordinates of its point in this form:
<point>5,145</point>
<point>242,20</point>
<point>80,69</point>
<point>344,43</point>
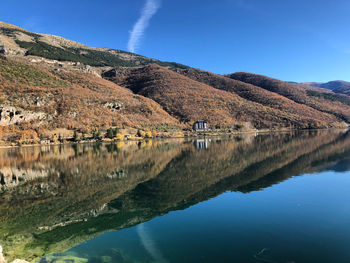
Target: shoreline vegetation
<point>121,135</point>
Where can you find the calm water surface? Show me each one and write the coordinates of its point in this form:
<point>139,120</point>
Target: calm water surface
<point>267,198</point>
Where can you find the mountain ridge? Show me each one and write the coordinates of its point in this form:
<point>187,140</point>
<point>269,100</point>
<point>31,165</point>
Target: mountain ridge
<point>337,86</point>
<point>49,83</point>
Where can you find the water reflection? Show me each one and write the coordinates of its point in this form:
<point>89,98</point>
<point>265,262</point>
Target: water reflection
<point>202,144</point>
<point>54,198</point>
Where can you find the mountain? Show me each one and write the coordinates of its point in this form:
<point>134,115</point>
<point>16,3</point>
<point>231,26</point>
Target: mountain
<point>17,41</point>
<point>51,85</point>
<point>337,86</point>
<point>339,107</point>
<point>189,100</point>
<point>35,99</point>
<point>298,114</point>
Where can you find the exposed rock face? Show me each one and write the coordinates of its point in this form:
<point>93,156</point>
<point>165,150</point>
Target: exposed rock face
<point>10,47</point>
<point>11,115</point>
<point>114,106</point>
<point>2,48</point>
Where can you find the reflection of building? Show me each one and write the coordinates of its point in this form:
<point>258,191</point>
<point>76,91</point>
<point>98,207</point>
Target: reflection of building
<point>202,143</point>
<point>200,126</point>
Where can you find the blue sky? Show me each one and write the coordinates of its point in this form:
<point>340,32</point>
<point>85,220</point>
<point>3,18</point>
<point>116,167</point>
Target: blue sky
<point>299,40</point>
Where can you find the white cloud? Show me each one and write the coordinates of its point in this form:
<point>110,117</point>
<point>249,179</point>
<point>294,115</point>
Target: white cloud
<point>149,10</point>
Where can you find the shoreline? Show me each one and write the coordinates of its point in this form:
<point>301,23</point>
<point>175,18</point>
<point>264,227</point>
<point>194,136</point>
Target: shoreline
<point>192,135</point>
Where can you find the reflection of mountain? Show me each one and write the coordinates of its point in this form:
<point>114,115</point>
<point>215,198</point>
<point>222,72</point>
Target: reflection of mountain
<point>88,190</point>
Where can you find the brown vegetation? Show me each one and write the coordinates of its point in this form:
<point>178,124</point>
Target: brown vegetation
<point>299,115</point>
<point>74,100</point>
<point>195,94</point>
<point>48,83</point>
<point>295,93</point>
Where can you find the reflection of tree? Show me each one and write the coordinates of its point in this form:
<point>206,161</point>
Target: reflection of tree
<point>199,175</point>
<point>91,190</point>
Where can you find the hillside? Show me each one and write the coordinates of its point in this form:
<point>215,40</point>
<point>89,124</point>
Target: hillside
<point>17,41</point>
<point>51,85</point>
<point>336,86</point>
<point>189,100</point>
<point>339,107</point>
<point>299,115</point>
<point>331,85</point>
<point>343,90</point>
<point>35,99</point>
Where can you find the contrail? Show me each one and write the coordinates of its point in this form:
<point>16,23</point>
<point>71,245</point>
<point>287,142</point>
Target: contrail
<point>150,9</point>
<point>150,245</point>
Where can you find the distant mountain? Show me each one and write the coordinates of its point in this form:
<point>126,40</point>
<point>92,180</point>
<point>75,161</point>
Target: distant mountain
<point>334,105</point>
<point>343,90</point>
<point>53,85</point>
<point>337,86</point>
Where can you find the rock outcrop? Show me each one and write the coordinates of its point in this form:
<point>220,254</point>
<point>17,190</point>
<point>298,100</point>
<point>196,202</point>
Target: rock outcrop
<point>12,115</point>
<point>2,48</point>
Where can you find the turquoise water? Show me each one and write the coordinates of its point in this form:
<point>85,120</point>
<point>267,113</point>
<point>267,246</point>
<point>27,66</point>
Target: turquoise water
<point>267,198</point>
<point>305,219</point>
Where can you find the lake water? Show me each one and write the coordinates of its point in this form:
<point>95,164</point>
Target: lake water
<point>277,198</point>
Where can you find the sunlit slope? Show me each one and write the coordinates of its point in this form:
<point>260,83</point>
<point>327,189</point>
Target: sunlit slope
<point>47,99</point>
<point>332,105</point>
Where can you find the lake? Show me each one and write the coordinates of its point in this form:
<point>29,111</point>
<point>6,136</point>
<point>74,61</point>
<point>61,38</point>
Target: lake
<point>278,198</point>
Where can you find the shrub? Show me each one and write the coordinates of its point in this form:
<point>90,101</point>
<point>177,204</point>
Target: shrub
<point>148,134</point>
<point>96,135</point>
<point>141,133</point>
<point>110,133</point>
<point>154,133</point>
<point>119,136</point>
<point>60,138</point>
<point>238,126</point>
<point>75,136</point>
<point>54,138</point>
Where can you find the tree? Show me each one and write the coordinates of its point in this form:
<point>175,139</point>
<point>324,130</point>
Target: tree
<point>75,136</point>
<point>119,136</point>
<point>148,134</point>
<point>110,133</point>
<point>96,135</point>
<point>141,133</point>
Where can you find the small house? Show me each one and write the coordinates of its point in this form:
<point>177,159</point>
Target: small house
<point>200,126</point>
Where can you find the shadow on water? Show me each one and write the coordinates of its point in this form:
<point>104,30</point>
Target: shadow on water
<point>54,198</point>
